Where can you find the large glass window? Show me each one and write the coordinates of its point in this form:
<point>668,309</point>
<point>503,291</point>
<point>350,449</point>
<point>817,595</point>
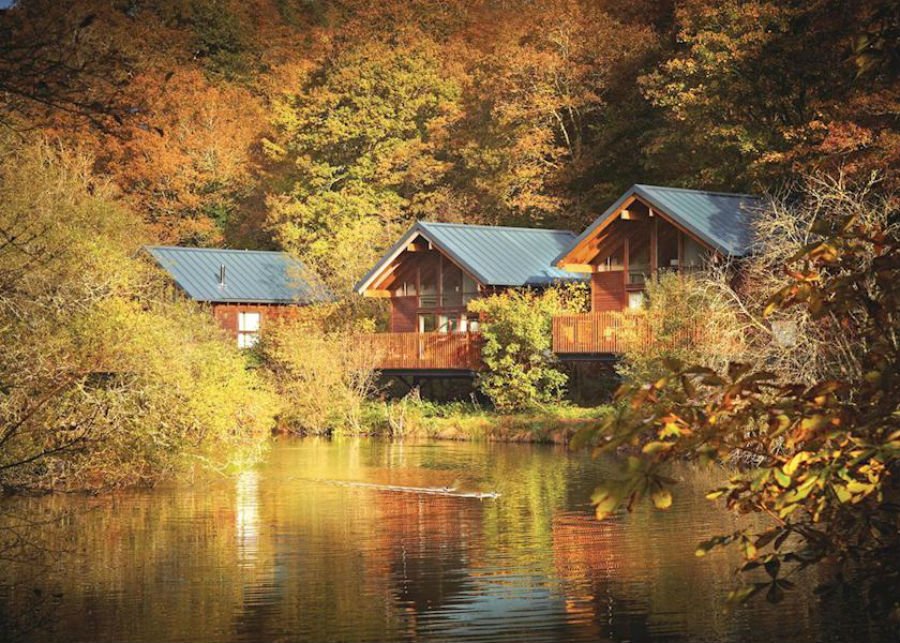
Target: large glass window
<point>695,255</point>
<point>429,271</point>
<point>667,246</point>
<point>638,262</point>
<point>248,329</point>
<point>452,285</point>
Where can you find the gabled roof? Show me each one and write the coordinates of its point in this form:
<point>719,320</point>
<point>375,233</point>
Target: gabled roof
<point>720,219</point>
<point>493,255</point>
<point>251,276</point>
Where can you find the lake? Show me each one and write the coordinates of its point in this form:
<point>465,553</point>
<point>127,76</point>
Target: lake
<point>313,546</point>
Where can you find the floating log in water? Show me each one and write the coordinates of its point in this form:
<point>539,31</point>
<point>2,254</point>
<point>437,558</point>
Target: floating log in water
<point>428,491</point>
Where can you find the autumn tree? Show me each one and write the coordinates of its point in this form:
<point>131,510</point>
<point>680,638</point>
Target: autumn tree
<point>755,87</point>
<point>539,91</point>
<point>362,138</point>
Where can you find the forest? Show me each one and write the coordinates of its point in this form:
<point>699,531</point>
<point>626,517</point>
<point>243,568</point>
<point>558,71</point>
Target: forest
<point>325,128</point>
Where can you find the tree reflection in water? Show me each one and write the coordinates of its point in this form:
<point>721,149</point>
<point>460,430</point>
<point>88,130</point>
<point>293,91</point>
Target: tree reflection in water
<point>272,556</point>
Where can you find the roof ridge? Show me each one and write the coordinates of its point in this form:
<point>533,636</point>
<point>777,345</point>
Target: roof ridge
<point>713,192</point>
<point>229,250</point>
<point>492,227</point>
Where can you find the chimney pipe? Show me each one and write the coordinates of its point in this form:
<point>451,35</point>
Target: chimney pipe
<point>222,276</point>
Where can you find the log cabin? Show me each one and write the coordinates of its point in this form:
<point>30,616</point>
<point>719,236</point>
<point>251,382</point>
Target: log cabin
<point>432,273</point>
<point>648,230</point>
<point>435,269</point>
<point>244,289</point>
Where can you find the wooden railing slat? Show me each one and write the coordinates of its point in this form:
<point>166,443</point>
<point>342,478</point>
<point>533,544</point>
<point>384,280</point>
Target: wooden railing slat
<point>418,351</point>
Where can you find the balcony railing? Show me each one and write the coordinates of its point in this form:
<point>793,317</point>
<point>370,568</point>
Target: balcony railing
<point>425,351</point>
<point>607,332</point>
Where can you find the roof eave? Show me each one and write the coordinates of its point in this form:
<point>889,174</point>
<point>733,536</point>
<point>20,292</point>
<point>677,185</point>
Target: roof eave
<point>596,224</point>
<point>421,229</point>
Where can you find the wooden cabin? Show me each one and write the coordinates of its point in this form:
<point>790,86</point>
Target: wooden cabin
<point>649,229</point>
<point>433,272</point>
<point>245,289</point>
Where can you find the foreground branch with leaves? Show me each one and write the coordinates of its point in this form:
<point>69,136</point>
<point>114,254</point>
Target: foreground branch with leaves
<point>827,455</point>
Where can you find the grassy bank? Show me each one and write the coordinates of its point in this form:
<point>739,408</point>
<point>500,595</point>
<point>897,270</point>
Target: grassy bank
<point>466,421</point>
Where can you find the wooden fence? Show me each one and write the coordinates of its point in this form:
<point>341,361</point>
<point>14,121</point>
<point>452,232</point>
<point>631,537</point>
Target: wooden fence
<point>616,332</point>
<point>608,332</point>
<point>424,351</point>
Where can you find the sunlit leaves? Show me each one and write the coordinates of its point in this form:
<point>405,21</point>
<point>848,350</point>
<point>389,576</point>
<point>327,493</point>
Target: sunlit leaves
<point>820,456</point>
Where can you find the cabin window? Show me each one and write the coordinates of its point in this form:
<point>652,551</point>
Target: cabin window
<point>613,262</point>
<point>427,323</point>
<point>248,329</point>
<point>406,288</point>
<point>429,273</point>
<point>667,246</point>
<point>638,263</point>
<point>470,289</point>
<point>451,285</point>
<point>695,255</point>
<point>448,323</point>
<point>635,299</point>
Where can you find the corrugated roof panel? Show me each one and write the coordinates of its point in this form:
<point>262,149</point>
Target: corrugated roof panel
<point>494,255</point>
<point>503,256</point>
<point>251,276</point>
<point>721,219</point>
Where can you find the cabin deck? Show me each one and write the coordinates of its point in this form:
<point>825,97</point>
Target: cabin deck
<point>585,336</point>
<point>426,351</point>
<point>604,333</point>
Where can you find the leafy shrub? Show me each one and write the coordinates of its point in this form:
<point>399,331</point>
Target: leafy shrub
<point>104,380</point>
<point>319,371</point>
<point>687,319</point>
<point>520,365</point>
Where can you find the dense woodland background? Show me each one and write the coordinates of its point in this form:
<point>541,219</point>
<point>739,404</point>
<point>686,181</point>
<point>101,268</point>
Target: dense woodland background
<point>326,126</point>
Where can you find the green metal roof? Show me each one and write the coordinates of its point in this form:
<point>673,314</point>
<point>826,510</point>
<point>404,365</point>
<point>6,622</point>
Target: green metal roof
<point>251,276</point>
<point>721,219</point>
<point>494,255</point>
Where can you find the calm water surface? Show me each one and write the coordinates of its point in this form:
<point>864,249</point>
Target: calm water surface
<point>284,554</point>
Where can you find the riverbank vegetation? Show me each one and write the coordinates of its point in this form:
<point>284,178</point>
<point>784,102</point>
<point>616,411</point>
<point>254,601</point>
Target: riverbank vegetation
<point>105,380</point>
<point>818,422</point>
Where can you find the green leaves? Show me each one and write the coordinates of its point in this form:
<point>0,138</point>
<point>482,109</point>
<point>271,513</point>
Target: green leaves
<point>820,454</point>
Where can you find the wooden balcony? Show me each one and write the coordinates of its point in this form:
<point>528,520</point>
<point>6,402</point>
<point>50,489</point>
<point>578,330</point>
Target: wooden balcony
<point>598,333</point>
<point>425,351</point>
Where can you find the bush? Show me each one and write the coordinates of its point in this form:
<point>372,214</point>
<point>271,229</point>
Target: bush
<point>520,367</point>
<point>689,317</point>
<point>103,380</point>
<point>317,368</point>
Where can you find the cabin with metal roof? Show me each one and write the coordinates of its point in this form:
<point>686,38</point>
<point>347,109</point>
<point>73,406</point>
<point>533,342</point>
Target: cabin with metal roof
<point>435,269</point>
<point>648,230</point>
<point>244,288</point>
<point>652,228</point>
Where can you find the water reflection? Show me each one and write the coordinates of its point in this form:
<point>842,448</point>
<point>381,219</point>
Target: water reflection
<point>277,556</point>
<point>246,517</point>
